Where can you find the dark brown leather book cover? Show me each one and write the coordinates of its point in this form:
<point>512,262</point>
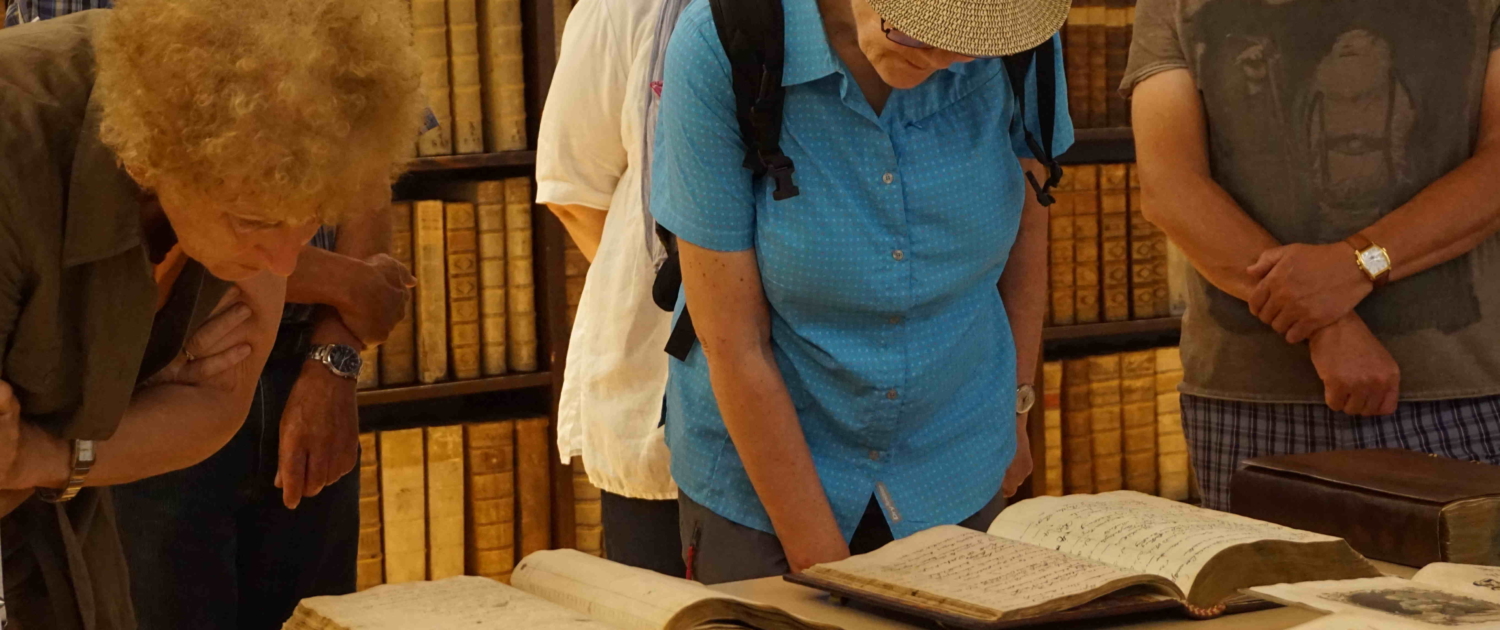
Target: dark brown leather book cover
<point>1098,90</point>
<point>1117,29</point>
<point>1076,62</point>
<point>1388,503</point>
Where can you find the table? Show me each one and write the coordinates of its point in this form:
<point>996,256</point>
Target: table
<point>813,604</point>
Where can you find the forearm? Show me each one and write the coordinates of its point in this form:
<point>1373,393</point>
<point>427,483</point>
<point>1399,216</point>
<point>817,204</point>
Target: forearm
<point>1447,219</point>
<point>763,424</point>
<point>1023,284</point>
<point>324,277</point>
<point>585,225</point>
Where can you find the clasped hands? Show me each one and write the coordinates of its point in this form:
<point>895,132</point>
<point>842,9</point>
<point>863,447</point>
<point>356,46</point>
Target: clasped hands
<point>1308,293</point>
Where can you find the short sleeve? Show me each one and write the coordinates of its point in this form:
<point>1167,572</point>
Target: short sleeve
<point>700,189</point>
<point>1156,45</point>
<point>1062,123</point>
<point>581,151</point>
<point>1495,30</point>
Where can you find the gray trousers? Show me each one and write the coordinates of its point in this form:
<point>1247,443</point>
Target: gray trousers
<point>718,550</point>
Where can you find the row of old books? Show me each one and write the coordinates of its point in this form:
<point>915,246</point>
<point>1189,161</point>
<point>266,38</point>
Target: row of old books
<point>1107,262</point>
<point>472,75</point>
<point>1114,422</point>
<point>474,311</point>
<point>1096,46</point>
<point>464,499</point>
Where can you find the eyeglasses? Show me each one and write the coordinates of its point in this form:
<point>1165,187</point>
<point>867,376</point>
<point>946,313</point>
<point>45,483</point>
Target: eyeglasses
<point>911,42</point>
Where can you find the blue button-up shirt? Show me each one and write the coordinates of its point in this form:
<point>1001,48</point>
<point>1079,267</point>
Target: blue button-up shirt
<point>881,276</point>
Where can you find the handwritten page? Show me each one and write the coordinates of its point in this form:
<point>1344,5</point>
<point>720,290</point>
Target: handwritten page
<point>1391,599</point>
<point>1354,622</point>
<point>961,569</point>
<point>635,599</point>
<point>1136,531</point>
<point>1475,580</point>
<point>466,603</point>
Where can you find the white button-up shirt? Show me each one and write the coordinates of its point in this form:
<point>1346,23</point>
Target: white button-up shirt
<point>589,153</point>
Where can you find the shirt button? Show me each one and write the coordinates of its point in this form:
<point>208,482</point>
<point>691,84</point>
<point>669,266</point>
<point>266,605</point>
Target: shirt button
<point>875,455</point>
<point>891,394</point>
<point>888,178</point>
<point>898,255</point>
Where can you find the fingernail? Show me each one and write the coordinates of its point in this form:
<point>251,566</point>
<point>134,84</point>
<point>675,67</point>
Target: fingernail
<point>232,293</point>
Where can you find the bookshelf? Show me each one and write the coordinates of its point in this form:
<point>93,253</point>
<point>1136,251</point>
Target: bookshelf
<point>1099,145</point>
<point>512,395</point>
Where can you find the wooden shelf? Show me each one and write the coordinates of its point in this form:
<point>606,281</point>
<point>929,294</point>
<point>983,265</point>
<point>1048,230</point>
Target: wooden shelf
<point>1084,332</point>
<point>455,388</point>
<point>1108,144</point>
<point>476,160</point>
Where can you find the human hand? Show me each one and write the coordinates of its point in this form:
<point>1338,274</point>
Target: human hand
<point>804,552</point>
<point>10,456</point>
<point>1302,288</point>
<point>319,434</point>
<point>1021,466</point>
<point>220,343</point>
<point>378,301</point>
<point>1360,377</point>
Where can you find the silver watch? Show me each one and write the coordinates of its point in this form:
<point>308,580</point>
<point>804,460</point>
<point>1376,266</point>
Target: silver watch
<point>340,359</point>
<point>1025,399</point>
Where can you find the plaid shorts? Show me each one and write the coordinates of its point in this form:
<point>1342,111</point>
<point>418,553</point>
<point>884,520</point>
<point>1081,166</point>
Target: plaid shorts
<point>1221,433</point>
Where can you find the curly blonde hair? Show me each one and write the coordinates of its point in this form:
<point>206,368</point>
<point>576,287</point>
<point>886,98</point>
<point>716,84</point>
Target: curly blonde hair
<point>282,107</point>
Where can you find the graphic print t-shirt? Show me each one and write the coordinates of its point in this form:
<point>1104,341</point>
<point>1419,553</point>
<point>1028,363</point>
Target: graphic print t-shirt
<point>1323,117</point>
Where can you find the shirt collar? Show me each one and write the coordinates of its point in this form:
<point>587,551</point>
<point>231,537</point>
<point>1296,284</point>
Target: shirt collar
<point>104,202</point>
<point>808,55</point>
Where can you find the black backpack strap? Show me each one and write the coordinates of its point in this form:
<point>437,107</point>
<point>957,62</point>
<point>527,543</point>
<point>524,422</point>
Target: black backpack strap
<point>753,35</point>
<point>1017,66</point>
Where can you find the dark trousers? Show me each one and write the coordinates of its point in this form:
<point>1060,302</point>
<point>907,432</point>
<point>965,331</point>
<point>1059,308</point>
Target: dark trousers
<point>212,547</point>
<point>642,533</point>
<point>720,550</point>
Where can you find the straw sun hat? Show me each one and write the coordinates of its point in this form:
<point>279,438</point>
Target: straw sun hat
<point>980,28</point>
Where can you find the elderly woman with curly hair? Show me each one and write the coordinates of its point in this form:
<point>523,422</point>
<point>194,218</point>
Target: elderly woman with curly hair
<point>161,167</point>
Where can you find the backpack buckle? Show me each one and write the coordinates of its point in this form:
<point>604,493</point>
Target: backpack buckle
<point>780,168</point>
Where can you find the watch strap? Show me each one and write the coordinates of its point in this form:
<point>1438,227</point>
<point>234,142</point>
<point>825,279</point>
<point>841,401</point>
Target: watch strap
<point>83,461</point>
<point>1360,243</point>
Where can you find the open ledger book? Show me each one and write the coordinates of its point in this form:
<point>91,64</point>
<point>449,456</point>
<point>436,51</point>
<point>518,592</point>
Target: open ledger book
<point>553,590</point>
<point>1058,558</point>
<point>1441,595</point>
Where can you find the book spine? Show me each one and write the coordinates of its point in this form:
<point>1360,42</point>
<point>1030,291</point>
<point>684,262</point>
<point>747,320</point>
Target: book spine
<point>1076,62</point>
<point>1138,400</point>
<point>489,458</point>
<point>429,20</point>
<point>432,294</point>
<point>1061,295</point>
<point>1146,258</point>
<point>403,505</point>
<point>463,48</point>
<point>491,222</point>
<point>576,270</point>
<point>1106,419</point>
<point>369,369</point>
<point>588,519</point>
<point>445,501</point>
<point>500,55</point>
<point>1098,87</point>
<point>533,485</point>
<point>1086,269</point>
<point>1078,452</point>
<point>1117,52</point>
<point>370,567</point>
<point>463,289</point>
<point>520,290</point>
<point>1114,246</point>
<point>397,356</point>
<point>1171,446</point>
<point>1052,415</point>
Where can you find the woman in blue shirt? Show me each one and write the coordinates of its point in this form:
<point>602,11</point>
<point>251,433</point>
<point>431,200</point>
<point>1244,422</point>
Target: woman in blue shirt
<point>857,374</point>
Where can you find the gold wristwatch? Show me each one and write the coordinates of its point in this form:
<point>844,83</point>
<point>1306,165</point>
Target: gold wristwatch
<point>1371,258</point>
<point>83,460</point>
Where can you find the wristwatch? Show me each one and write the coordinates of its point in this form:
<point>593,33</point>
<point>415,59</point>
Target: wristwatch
<point>1025,398</point>
<point>340,359</point>
<point>1371,258</point>
<point>83,460</point>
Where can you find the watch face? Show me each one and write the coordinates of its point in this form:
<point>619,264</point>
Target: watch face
<point>1375,261</point>
<point>344,359</point>
<point>1025,398</point>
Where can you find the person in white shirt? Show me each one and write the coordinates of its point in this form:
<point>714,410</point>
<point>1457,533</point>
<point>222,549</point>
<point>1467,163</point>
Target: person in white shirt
<point>591,156</point>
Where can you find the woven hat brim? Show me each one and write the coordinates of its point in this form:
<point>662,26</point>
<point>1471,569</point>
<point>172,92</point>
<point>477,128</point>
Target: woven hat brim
<point>978,28</point>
